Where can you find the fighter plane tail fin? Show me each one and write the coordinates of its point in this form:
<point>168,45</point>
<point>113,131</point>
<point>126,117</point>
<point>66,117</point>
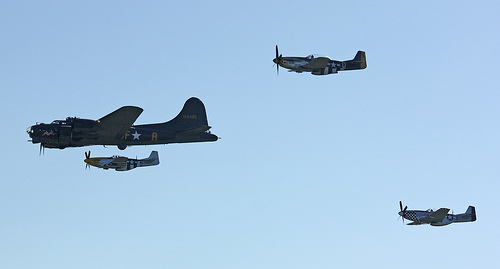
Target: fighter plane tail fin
<point>192,115</point>
<point>153,159</point>
<point>468,216</point>
<point>359,61</point>
<point>471,211</point>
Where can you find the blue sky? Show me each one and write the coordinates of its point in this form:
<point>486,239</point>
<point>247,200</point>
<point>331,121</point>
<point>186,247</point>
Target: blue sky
<point>309,170</point>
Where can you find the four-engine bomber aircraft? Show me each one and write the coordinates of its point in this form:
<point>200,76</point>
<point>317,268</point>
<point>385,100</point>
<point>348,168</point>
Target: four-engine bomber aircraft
<point>439,217</point>
<point>120,163</point>
<point>116,128</point>
<point>319,65</point>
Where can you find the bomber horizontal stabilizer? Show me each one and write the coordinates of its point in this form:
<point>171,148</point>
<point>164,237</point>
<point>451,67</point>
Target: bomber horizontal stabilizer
<point>195,131</point>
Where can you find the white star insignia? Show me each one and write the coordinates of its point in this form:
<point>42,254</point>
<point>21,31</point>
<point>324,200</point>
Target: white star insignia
<point>136,135</point>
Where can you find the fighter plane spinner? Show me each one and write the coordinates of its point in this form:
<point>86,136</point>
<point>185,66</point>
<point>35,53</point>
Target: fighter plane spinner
<point>439,217</point>
<point>116,128</point>
<point>120,163</point>
<point>319,65</point>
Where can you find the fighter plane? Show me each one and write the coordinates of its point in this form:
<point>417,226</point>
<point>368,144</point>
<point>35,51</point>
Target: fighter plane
<point>319,65</point>
<point>120,163</point>
<point>116,128</point>
<point>439,217</point>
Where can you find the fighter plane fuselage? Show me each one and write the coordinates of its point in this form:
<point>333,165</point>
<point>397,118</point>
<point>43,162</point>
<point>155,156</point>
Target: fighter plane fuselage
<point>299,64</point>
<point>120,163</point>
<point>437,218</point>
<point>319,65</point>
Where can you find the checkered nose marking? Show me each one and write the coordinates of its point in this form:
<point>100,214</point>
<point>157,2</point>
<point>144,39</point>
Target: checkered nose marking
<point>410,215</point>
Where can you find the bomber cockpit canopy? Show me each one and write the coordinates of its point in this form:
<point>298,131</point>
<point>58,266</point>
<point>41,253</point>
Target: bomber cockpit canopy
<point>75,122</point>
<point>68,120</point>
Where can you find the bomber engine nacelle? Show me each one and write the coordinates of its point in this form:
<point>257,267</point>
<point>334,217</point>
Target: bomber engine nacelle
<point>60,133</point>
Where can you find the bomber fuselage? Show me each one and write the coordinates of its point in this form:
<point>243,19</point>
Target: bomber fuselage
<point>75,132</point>
<point>190,125</point>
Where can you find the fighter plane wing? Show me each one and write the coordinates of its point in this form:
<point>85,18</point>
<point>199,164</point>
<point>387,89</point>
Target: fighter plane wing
<point>113,161</point>
<point>415,223</point>
<point>317,63</point>
<point>116,123</point>
<point>436,216</point>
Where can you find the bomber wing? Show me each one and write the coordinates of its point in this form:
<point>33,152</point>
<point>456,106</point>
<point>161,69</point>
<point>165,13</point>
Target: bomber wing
<point>317,63</point>
<point>436,216</point>
<point>117,123</point>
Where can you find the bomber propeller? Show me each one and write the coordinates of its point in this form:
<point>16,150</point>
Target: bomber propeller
<point>42,148</point>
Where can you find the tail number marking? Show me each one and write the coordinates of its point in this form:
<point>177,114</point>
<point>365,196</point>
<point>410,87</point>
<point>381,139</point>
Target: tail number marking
<point>191,117</point>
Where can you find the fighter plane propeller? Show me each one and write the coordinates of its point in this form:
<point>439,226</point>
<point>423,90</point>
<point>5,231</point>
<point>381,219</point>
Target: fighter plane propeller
<point>402,210</point>
<point>87,156</point>
<point>278,61</point>
<point>439,217</point>
<point>319,65</point>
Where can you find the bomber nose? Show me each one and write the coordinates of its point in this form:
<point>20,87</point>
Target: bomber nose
<point>29,131</point>
<point>33,134</point>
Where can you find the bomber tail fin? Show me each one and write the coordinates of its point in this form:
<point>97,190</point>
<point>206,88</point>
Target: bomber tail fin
<point>359,61</point>
<point>192,116</point>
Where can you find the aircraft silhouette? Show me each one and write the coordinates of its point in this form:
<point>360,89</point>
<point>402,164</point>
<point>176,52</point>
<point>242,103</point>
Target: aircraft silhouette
<point>439,217</point>
<point>116,128</point>
<point>120,163</point>
<point>319,65</point>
